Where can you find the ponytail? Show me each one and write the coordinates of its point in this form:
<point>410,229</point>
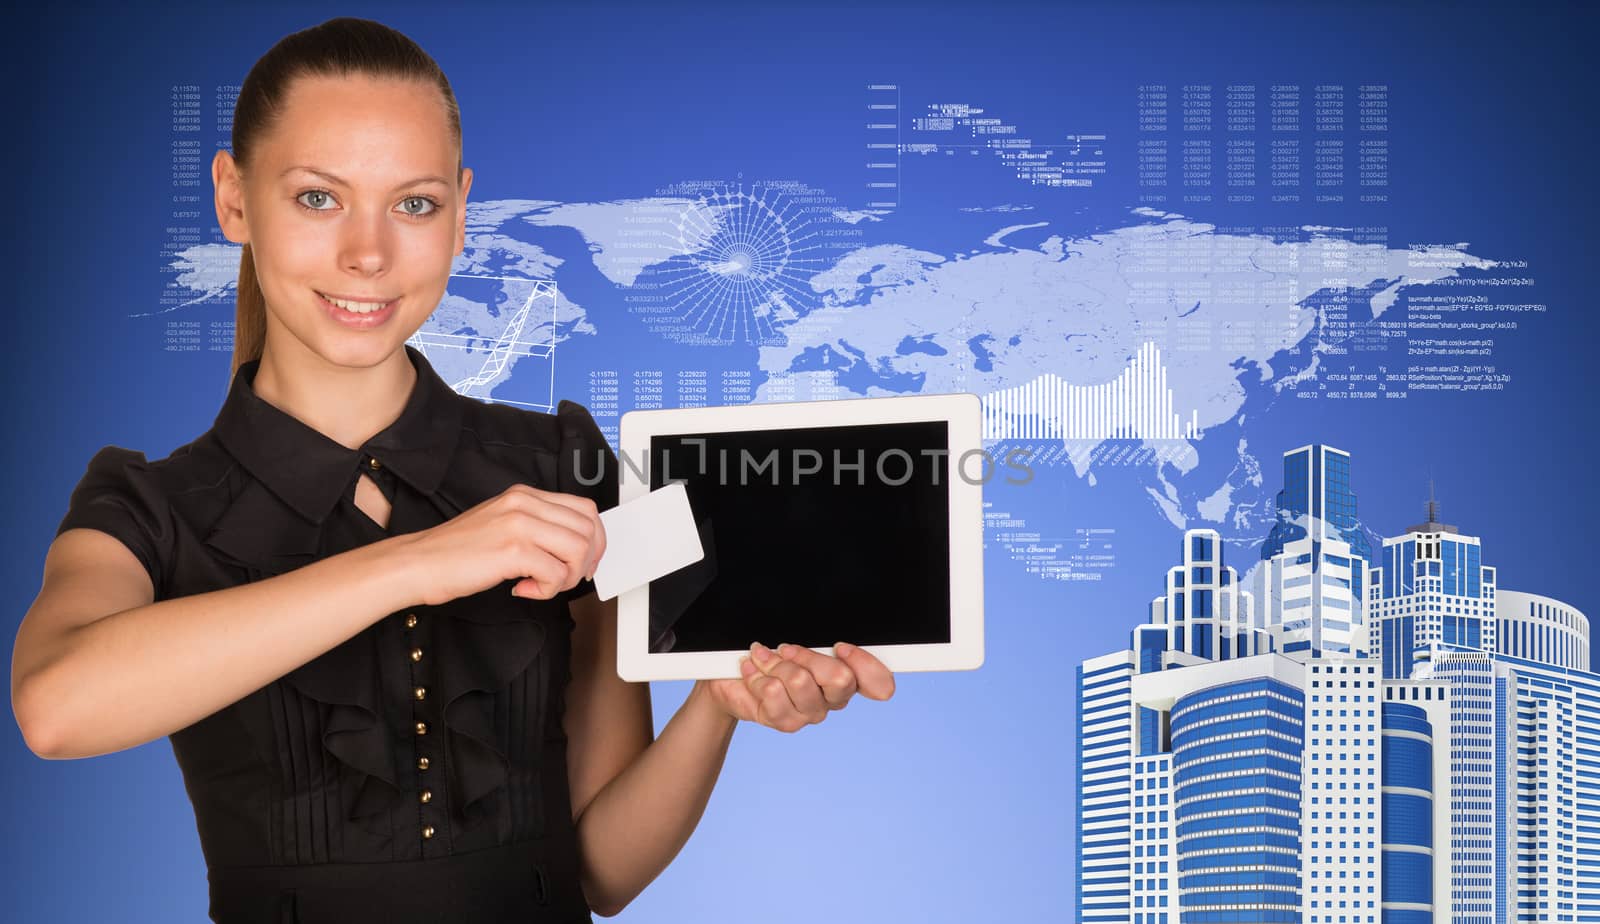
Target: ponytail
<point>249,316</point>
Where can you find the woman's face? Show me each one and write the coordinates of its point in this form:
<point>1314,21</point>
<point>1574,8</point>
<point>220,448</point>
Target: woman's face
<point>351,194</point>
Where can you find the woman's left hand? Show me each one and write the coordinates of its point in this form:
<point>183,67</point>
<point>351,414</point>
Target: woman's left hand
<point>795,686</point>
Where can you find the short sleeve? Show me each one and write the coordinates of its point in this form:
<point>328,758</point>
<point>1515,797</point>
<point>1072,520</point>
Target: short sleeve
<point>586,465</point>
<point>119,494</point>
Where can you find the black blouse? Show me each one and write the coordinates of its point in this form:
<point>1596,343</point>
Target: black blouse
<point>416,772</point>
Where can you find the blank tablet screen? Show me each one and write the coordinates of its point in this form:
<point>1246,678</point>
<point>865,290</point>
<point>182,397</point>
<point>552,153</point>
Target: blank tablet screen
<point>812,536</point>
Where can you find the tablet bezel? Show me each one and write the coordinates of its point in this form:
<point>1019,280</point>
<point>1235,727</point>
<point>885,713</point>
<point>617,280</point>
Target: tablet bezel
<point>962,412</point>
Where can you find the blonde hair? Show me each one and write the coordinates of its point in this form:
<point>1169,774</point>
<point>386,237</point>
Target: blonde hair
<point>340,47</point>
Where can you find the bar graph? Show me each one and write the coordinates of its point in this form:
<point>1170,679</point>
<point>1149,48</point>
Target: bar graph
<point>1136,405</point>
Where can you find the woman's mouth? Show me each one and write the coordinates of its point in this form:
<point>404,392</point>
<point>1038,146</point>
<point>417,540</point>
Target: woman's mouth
<point>358,313</point>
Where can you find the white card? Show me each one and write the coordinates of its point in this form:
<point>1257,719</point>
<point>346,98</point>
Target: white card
<point>646,538</point>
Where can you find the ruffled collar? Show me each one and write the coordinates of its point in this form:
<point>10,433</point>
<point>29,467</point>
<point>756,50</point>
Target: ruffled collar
<point>308,470</point>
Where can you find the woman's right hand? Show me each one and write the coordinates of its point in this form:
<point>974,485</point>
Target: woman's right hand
<point>546,540</point>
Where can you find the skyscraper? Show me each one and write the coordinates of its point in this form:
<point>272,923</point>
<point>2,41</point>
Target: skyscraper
<point>1239,763</point>
<point>1221,780</point>
<point>1311,583</point>
<point>1245,760</point>
<point>1206,612</point>
<point>1432,590</point>
<point>1316,501</point>
<point>1527,716</point>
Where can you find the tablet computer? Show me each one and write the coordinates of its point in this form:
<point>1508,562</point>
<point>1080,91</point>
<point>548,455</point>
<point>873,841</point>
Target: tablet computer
<point>856,520</point>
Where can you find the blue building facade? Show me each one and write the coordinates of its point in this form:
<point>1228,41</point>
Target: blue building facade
<point>1311,584</point>
<point>1408,814</point>
<point>1316,487</point>
<point>1236,780</point>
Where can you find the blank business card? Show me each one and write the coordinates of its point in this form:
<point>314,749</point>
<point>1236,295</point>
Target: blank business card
<point>646,538</point>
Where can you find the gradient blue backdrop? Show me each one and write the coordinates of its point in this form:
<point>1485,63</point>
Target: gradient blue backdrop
<point>952,802</point>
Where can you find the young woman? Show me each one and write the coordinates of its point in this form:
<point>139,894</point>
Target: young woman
<point>360,604</point>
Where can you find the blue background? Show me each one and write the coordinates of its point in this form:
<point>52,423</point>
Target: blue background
<point>952,802</point>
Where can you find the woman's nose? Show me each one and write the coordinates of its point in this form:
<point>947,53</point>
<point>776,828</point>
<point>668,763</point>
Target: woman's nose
<point>365,243</point>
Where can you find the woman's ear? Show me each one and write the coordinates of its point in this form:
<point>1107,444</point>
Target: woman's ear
<point>461,224</point>
<point>229,196</point>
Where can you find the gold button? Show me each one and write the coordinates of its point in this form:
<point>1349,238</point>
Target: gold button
<point>422,728</point>
<point>373,464</point>
<point>427,831</point>
<point>422,763</point>
<point>411,620</point>
<point>427,795</point>
<point>416,654</point>
<point>421,692</point>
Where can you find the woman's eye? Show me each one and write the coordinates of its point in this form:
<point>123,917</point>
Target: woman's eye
<point>313,192</point>
<point>422,202</point>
